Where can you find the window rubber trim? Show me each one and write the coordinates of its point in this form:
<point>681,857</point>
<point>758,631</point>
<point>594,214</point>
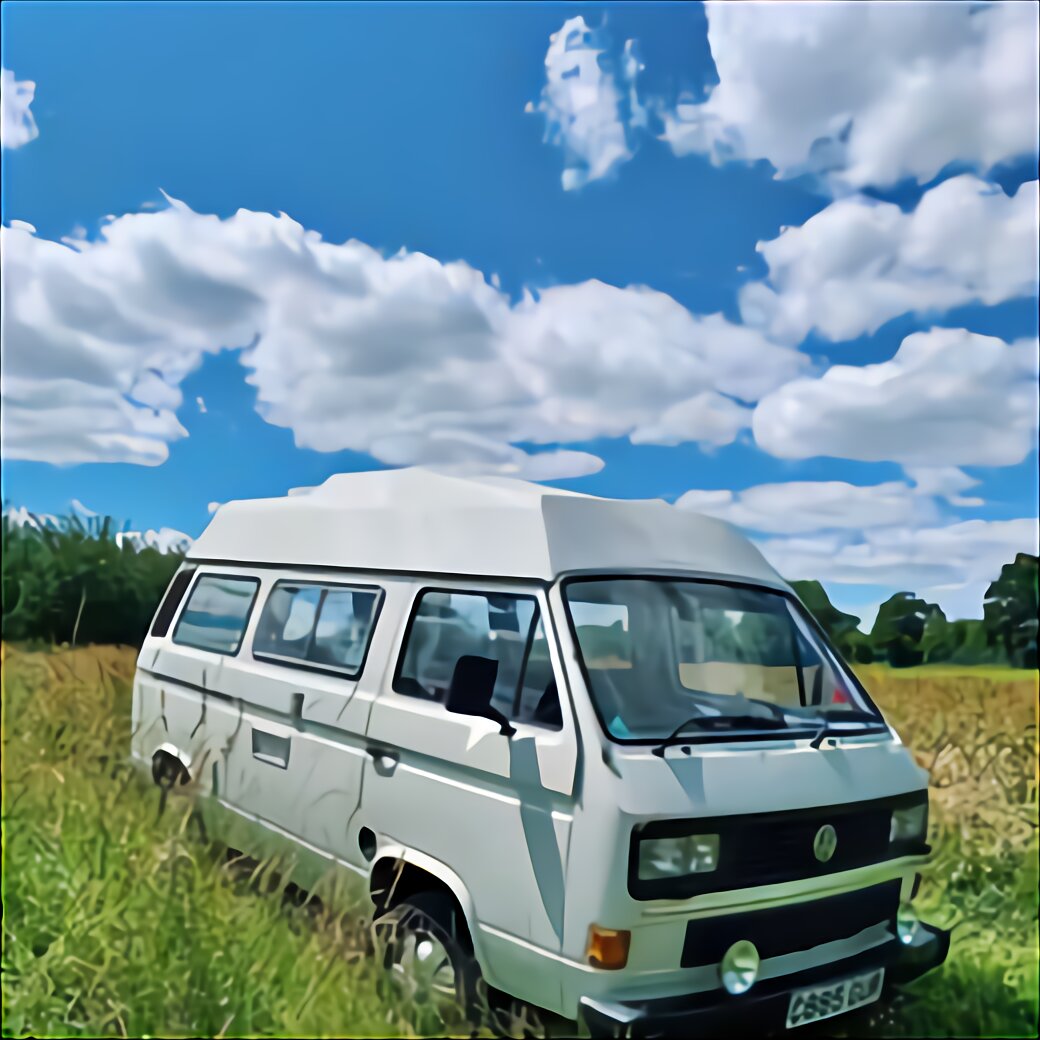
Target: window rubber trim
<point>731,736</point>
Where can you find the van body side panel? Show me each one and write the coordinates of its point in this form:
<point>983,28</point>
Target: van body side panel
<point>289,769</point>
<point>197,728</point>
<point>288,740</point>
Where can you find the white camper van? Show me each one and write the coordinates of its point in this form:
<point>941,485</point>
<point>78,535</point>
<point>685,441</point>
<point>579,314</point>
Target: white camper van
<point>592,751</point>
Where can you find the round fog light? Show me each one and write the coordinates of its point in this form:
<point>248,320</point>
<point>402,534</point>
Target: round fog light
<point>739,967</point>
<point>906,923</point>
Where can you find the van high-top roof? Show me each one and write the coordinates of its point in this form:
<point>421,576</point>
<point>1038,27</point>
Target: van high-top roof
<point>420,521</point>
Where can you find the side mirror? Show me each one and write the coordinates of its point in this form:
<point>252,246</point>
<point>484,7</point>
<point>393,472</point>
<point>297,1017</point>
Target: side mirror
<point>471,689</point>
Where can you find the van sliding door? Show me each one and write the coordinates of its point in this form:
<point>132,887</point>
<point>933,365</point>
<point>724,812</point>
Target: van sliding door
<point>297,762</point>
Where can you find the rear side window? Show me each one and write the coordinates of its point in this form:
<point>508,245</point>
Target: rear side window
<point>327,626</point>
<point>504,628</point>
<point>216,613</point>
<point>171,601</point>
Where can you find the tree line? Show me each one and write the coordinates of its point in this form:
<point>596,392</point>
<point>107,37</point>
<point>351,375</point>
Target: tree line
<point>72,582</point>
<point>910,631</point>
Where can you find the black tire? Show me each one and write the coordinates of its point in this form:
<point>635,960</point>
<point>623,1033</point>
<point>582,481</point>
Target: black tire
<point>426,919</point>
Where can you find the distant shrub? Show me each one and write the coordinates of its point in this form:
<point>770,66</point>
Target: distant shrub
<point>75,581</point>
<point>909,631</point>
<point>70,581</point>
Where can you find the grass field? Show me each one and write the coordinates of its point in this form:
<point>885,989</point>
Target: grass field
<point>120,920</point>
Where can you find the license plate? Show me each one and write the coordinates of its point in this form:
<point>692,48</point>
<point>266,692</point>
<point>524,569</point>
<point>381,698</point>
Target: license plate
<point>818,1002</point>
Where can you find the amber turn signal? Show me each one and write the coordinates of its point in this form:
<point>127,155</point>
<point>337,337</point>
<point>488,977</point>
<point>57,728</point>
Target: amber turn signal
<point>607,947</point>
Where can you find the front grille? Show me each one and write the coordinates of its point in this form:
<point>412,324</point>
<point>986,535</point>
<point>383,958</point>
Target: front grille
<point>779,848</point>
<point>789,929</point>
<point>768,848</point>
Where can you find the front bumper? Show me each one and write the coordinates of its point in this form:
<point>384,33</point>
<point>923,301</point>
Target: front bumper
<point>764,1008</point>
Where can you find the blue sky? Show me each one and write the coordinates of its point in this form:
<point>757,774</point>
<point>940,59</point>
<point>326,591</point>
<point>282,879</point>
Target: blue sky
<point>456,131</point>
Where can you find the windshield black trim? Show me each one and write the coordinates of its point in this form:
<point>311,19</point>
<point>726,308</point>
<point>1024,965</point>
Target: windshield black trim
<point>793,733</point>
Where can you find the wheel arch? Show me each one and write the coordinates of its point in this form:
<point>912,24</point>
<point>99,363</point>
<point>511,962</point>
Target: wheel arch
<point>399,871</point>
<point>171,754</point>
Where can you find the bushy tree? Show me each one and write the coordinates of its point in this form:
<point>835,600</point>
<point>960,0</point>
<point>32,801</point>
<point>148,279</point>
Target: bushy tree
<point>73,583</point>
<point>971,644</point>
<point>938,640</point>
<point>900,626</point>
<point>1010,611</point>
<point>843,629</point>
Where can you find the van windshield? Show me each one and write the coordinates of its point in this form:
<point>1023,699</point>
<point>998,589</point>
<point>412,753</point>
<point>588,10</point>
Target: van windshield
<point>674,659</point>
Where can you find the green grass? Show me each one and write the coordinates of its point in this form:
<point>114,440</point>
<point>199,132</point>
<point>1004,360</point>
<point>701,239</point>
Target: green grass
<point>995,672</point>
<point>120,920</point>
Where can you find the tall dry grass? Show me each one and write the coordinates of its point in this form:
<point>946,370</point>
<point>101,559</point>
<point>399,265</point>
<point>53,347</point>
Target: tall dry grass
<point>975,731</point>
<point>119,920</point>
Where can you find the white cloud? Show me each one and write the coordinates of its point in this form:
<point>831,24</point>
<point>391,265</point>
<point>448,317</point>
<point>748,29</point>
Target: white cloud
<point>96,338</point>
<point>17,125</point>
<point>951,565</point>
<point>213,507</point>
<point>866,93</point>
<point>708,418</point>
<point>588,105</point>
<point>166,539</point>
<point>603,361</point>
<point>798,507</point>
<point>507,461</point>
<point>82,510</point>
<point>945,482</point>
<point>21,517</point>
<point>201,405</point>
<point>949,397</point>
<point>896,534</point>
<point>860,262</point>
<point>403,357</point>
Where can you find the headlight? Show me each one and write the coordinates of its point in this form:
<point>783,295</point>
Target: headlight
<point>674,857</point>
<point>739,967</point>
<point>907,923</point>
<point>909,825</point>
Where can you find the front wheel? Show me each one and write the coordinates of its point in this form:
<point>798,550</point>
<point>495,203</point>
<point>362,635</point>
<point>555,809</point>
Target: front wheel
<point>426,952</point>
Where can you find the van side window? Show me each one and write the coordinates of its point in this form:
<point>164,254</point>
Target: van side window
<point>216,613</point>
<point>538,702</point>
<point>504,628</point>
<point>343,627</point>
<point>171,601</point>
<point>328,626</point>
<point>287,622</point>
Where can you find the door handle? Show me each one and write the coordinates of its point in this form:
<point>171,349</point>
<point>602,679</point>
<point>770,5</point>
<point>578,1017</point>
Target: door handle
<point>385,762</point>
<point>270,748</point>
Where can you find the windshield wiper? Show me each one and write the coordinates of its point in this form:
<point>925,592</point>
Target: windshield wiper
<point>850,714</point>
<point>831,715</point>
<point>717,722</point>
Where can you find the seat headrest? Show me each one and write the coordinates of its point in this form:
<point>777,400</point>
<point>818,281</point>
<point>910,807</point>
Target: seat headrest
<point>472,684</point>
